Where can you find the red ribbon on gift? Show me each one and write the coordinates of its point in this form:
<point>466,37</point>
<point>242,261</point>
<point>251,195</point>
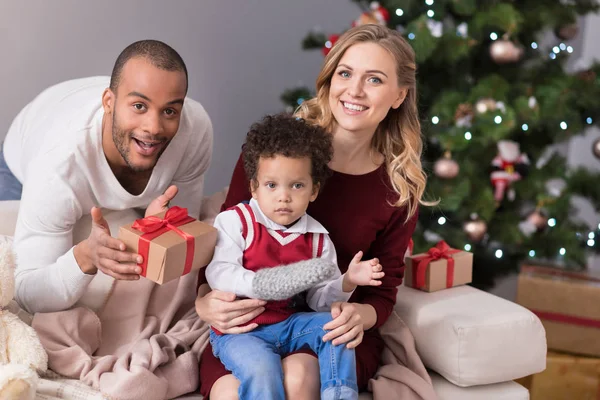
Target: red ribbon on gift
<point>154,226</point>
<point>441,250</point>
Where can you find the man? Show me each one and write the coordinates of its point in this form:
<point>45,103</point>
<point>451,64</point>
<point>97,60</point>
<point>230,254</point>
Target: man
<point>133,141</point>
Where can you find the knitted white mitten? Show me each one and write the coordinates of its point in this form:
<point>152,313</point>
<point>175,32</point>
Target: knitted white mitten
<point>280,283</point>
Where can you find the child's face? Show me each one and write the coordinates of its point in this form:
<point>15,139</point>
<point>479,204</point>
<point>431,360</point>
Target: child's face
<point>285,188</point>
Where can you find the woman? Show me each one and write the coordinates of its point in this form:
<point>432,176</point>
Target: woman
<point>366,97</point>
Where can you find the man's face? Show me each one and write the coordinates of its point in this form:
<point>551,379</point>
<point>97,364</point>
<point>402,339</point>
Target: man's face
<point>146,110</point>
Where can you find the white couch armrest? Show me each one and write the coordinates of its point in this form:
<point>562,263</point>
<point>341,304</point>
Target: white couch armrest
<point>471,337</point>
<point>8,216</point>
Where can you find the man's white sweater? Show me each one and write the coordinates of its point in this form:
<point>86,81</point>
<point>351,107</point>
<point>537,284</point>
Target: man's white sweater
<point>54,147</point>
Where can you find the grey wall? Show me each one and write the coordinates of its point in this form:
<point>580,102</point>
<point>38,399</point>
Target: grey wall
<point>240,54</point>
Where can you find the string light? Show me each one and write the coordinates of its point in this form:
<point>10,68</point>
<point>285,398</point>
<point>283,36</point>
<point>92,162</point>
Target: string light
<point>553,56</point>
<point>467,247</point>
<point>429,2</point>
<point>430,13</point>
<point>591,242</point>
<point>563,46</point>
<point>435,120</point>
<point>598,226</point>
<point>498,119</point>
<point>552,222</point>
<point>534,45</point>
<point>468,135</point>
<point>531,253</point>
<point>525,127</point>
<point>328,44</point>
<point>562,251</point>
<point>493,36</point>
<point>498,253</point>
<point>591,235</point>
<point>589,120</point>
<point>569,49</point>
<point>411,36</point>
<point>399,12</point>
<point>441,220</point>
<point>556,49</point>
<point>563,125</point>
<point>300,101</point>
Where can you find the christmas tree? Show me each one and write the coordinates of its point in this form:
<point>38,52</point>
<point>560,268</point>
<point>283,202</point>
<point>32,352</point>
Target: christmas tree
<point>492,99</point>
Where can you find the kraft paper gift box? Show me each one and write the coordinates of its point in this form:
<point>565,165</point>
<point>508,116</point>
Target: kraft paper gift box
<point>172,244</point>
<point>440,268</point>
<point>566,377</point>
<point>567,302</point>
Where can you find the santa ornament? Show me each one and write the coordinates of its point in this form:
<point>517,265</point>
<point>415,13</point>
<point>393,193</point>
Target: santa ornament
<point>377,15</point>
<point>510,165</point>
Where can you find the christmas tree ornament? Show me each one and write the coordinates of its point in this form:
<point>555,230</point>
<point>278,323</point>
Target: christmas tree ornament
<point>462,30</point>
<point>329,43</point>
<point>485,105</point>
<point>567,32</point>
<point>435,27</point>
<point>556,187</point>
<point>532,102</point>
<point>504,51</point>
<point>376,15</point>
<point>446,167</point>
<point>537,221</point>
<point>475,229</point>
<point>596,148</point>
<point>463,115</point>
<point>510,165</point>
<point>587,75</point>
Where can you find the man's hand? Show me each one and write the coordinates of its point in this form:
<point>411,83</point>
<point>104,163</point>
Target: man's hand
<point>161,203</point>
<point>102,251</point>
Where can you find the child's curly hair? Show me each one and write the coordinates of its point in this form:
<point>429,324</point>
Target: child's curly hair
<point>288,136</point>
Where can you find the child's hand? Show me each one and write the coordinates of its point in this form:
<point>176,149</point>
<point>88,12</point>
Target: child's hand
<point>364,273</point>
<point>161,203</point>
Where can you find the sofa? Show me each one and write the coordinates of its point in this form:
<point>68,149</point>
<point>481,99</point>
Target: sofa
<point>473,343</point>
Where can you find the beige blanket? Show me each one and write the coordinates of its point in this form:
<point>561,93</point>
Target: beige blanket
<point>144,344</point>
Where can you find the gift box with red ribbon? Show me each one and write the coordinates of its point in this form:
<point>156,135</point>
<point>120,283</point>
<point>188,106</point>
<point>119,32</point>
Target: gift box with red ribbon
<point>568,304</point>
<point>172,244</point>
<point>440,268</point>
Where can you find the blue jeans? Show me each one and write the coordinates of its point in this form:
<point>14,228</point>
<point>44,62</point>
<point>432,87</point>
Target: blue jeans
<point>254,358</point>
<point>10,187</point>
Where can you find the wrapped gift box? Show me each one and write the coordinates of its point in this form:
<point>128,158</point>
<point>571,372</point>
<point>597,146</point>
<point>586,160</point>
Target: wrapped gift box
<point>567,302</point>
<point>440,268</point>
<point>565,377</point>
<point>172,244</point>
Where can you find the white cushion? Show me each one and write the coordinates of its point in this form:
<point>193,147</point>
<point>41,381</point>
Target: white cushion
<point>497,391</point>
<point>471,337</point>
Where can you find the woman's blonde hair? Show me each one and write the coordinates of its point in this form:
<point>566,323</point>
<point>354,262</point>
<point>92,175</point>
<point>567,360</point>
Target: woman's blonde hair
<point>398,136</point>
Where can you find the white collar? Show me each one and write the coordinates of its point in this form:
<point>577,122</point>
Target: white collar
<point>305,224</point>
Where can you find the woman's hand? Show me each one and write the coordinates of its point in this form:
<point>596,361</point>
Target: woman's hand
<point>350,320</point>
<point>224,313</point>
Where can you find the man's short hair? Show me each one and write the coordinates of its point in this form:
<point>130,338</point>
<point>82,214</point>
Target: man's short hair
<point>288,136</point>
<point>159,54</point>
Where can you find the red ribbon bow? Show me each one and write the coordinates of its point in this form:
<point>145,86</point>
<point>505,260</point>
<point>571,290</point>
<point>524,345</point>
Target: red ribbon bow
<point>441,250</point>
<point>154,226</point>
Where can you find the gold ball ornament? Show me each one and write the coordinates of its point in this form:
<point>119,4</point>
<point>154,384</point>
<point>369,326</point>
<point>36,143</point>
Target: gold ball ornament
<point>446,167</point>
<point>475,229</point>
<point>567,32</point>
<point>485,105</point>
<point>504,51</point>
<point>596,148</point>
<point>537,219</point>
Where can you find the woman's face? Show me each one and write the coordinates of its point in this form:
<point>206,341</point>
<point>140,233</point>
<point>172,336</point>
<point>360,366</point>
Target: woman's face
<point>363,88</point>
